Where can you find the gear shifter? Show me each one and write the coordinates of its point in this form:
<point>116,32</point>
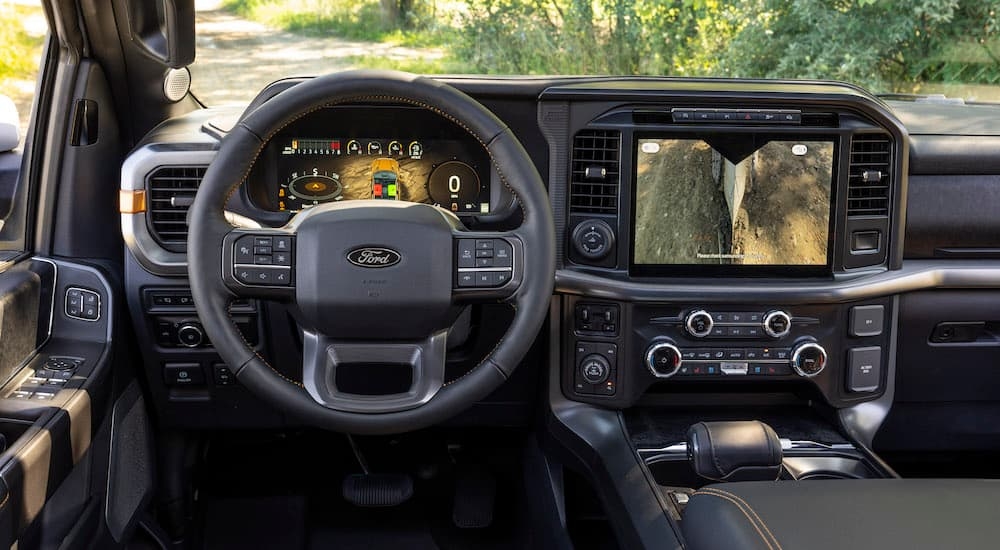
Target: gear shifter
<point>734,451</point>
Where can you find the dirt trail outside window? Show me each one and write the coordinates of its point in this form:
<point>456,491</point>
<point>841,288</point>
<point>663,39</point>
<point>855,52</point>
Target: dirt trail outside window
<point>237,58</point>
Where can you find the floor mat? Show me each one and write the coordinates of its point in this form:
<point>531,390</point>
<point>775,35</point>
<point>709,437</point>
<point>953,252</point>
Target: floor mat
<point>261,523</point>
<point>370,539</point>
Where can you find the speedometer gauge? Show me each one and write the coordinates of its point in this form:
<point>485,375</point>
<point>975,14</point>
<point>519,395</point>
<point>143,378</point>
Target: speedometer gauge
<point>305,189</point>
<point>454,185</point>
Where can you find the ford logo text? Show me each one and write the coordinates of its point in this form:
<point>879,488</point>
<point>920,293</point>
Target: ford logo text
<point>371,256</point>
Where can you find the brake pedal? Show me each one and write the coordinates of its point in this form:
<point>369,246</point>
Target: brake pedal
<point>377,490</point>
<point>475,494</point>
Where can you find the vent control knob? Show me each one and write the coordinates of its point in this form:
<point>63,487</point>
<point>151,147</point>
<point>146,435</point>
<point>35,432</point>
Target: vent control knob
<point>593,239</point>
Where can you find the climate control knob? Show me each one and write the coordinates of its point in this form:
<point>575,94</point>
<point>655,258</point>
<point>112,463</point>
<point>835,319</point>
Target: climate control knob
<point>699,323</point>
<point>777,324</point>
<point>808,359</point>
<point>663,359</point>
<point>595,369</point>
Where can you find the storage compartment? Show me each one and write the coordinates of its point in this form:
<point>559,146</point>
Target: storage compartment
<point>953,217</point>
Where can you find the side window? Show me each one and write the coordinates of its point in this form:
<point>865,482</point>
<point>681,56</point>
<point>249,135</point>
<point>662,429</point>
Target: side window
<point>22,35</point>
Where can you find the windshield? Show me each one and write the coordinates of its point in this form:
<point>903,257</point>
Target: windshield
<point>946,47</point>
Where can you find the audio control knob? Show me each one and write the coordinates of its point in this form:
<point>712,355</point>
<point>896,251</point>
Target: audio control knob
<point>595,369</point>
<point>663,359</point>
<point>777,324</point>
<point>190,335</point>
<point>808,359</point>
<point>699,323</point>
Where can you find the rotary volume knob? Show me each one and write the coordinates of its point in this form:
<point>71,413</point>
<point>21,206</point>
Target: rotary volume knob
<point>663,359</point>
<point>808,359</point>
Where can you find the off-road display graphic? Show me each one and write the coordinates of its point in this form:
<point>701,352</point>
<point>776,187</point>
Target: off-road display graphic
<point>326,170</point>
<point>732,205</point>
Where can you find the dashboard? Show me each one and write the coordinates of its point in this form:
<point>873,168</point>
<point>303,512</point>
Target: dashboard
<point>739,239</point>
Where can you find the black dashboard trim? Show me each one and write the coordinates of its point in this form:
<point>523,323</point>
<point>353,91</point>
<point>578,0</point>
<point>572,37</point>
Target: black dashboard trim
<point>914,275</point>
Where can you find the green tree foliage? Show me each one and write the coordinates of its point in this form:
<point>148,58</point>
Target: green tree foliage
<point>884,44</point>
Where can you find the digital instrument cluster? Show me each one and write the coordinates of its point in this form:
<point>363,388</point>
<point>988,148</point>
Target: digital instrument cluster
<point>308,171</point>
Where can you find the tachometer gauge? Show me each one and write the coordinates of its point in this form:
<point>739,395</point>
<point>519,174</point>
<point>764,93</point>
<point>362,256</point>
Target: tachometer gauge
<point>305,189</point>
<point>454,185</point>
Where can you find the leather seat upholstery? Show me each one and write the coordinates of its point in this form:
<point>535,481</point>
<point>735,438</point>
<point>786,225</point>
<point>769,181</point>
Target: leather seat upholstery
<point>844,514</point>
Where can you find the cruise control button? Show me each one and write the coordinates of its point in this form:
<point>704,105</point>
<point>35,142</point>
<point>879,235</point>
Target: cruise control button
<point>281,244</point>
<point>282,258</point>
<point>263,260</point>
<point>466,253</point>
<point>262,241</point>
<point>243,250</point>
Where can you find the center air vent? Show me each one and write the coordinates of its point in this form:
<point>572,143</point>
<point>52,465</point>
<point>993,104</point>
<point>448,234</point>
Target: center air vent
<point>869,175</point>
<point>595,176</point>
<point>171,192</point>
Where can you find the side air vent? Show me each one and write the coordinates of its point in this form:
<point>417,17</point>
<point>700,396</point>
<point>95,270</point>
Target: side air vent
<point>171,192</point>
<point>869,176</point>
<point>594,178</point>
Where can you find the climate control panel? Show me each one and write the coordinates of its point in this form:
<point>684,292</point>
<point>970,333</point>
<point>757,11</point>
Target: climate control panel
<point>617,352</point>
<point>665,360</point>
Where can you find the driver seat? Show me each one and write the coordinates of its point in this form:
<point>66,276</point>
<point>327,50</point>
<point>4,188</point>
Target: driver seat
<point>844,514</point>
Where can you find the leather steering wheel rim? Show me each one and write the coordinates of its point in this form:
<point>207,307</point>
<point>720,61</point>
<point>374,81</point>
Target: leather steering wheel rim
<point>237,154</point>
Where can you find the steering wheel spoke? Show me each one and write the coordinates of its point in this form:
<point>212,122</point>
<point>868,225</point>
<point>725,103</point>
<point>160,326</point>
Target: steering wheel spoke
<point>488,265</point>
<point>327,376</point>
<point>259,263</point>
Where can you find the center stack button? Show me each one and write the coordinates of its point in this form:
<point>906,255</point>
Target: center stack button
<point>663,359</point>
<point>699,323</point>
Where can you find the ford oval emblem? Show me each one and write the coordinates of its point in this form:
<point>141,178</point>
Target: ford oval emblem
<point>373,256</point>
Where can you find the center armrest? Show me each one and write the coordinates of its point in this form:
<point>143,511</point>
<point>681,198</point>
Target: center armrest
<point>837,514</point>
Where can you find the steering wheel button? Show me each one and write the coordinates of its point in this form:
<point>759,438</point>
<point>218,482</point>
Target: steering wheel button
<point>262,241</point>
<point>282,244</point>
<point>282,277</point>
<point>488,278</point>
<point>484,253</point>
<point>484,262</point>
<point>263,260</point>
<point>502,277</point>
<point>484,244</point>
<point>243,250</point>
<point>466,279</point>
<point>282,258</point>
<point>466,253</point>
<point>262,250</point>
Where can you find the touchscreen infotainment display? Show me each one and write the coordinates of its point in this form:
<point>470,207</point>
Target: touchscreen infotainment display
<point>732,201</point>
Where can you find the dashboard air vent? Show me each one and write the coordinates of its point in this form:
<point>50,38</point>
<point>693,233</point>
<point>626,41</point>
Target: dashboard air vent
<point>594,178</point>
<point>171,193</point>
<point>869,176</point>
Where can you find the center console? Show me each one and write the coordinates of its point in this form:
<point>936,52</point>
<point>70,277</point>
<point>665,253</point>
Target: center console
<point>717,239</point>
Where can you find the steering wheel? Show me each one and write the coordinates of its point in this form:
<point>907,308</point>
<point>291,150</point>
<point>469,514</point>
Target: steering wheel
<point>371,282</point>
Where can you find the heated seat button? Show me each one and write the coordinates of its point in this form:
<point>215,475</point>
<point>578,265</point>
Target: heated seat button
<point>183,374</point>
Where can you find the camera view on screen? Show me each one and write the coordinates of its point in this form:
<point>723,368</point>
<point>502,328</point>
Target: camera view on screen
<point>732,204</point>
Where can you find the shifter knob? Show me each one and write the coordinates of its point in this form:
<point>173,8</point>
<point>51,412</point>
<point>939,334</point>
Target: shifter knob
<point>734,451</point>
